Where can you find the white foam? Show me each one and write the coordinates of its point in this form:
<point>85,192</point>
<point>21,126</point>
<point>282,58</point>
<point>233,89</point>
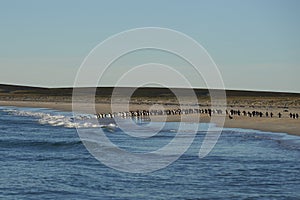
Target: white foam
<point>80,121</point>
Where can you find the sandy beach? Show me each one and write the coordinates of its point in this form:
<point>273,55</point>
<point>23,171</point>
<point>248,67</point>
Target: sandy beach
<point>285,124</point>
<point>157,98</point>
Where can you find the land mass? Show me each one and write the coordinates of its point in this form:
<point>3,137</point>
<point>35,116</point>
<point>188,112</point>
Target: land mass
<point>285,107</point>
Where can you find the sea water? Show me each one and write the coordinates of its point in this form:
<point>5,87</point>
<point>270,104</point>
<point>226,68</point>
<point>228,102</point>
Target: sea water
<point>42,157</point>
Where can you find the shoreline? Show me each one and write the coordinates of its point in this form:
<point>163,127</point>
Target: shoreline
<point>279,125</point>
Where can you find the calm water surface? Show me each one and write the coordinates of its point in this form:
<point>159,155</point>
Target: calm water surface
<point>42,157</point>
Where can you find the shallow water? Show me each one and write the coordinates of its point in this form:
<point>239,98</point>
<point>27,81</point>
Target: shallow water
<point>42,157</point>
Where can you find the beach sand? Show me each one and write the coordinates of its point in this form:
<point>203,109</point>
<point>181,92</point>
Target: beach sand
<point>283,125</point>
<point>162,98</point>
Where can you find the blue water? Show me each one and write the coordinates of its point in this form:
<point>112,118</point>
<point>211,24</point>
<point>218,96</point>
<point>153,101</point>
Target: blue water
<point>42,157</point>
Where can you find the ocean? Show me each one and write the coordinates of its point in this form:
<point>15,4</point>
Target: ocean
<point>43,157</point>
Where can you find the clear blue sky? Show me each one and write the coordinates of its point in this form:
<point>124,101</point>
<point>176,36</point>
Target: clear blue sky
<point>255,43</point>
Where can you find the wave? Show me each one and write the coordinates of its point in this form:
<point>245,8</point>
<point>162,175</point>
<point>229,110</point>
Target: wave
<point>38,143</point>
<point>67,121</point>
<point>285,140</point>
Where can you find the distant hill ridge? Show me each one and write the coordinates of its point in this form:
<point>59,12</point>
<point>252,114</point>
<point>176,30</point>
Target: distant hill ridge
<point>142,92</point>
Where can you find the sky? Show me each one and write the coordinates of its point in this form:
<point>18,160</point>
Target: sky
<point>255,44</point>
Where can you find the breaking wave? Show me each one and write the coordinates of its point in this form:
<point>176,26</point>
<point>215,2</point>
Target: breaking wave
<point>58,119</point>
